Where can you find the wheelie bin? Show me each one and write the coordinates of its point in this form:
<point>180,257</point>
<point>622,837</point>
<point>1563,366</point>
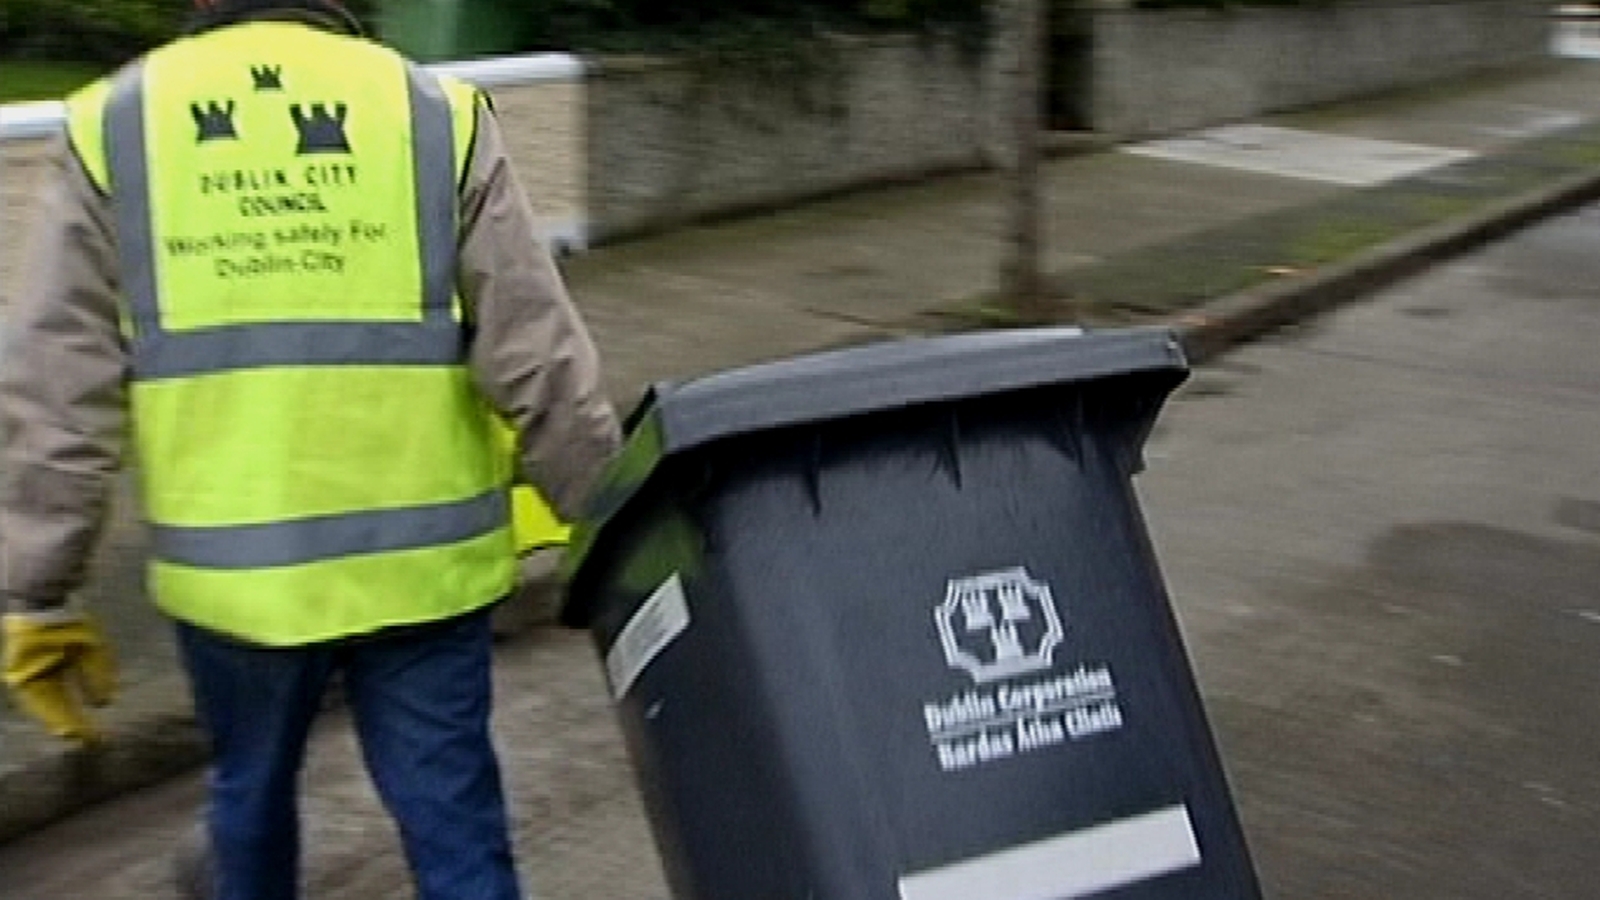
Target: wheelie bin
<point>884,623</point>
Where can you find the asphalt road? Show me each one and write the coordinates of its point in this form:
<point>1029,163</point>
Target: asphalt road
<point>1382,536</point>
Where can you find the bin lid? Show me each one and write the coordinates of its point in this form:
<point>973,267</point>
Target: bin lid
<point>674,418</point>
<point>838,384</point>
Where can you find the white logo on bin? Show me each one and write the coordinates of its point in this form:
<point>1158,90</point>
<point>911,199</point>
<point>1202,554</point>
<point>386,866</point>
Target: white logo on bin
<point>998,625</point>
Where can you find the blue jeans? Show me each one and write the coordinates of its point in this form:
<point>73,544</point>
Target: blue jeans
<point>420,700</point>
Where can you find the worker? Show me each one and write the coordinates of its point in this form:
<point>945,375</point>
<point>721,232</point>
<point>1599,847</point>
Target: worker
<point>293,277</point>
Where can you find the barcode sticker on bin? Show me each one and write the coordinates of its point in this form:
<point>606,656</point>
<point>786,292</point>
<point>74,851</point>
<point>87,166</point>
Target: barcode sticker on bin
<point>655,624</point>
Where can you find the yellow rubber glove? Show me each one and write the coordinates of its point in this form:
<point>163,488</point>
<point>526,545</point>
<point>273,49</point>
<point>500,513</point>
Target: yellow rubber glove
<point>533,523</point>
<point>52,660</point>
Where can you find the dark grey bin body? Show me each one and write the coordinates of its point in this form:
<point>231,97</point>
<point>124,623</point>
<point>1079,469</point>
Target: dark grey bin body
<point>885,624</point>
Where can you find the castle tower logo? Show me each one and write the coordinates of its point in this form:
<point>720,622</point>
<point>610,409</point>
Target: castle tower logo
<point>998,625</point>
<point>267,78</point>
<point>214,121</point>
<point>320,131</point>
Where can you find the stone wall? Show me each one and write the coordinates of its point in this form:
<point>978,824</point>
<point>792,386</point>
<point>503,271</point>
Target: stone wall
<point>22,162</point>
<point>671,142</point>
<point>1158,71</point>
<point>543,128</point>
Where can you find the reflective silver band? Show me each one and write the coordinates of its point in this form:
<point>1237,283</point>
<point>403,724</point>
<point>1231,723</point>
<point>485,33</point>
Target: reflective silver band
<point>159,353</point>
<point>332,537</point>
<point>433,152</point>
<point>179,354</point>
<point>129,173</point>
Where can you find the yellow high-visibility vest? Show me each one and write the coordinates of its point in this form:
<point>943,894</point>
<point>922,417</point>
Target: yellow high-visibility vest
<point>315,460</point>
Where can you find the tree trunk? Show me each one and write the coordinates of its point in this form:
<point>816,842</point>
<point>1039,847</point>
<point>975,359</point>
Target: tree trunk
<point>1021,277</point>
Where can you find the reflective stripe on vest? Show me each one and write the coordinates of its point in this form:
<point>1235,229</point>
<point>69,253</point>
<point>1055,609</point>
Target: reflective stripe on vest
<point>159,353</point>
<point>330,537</point>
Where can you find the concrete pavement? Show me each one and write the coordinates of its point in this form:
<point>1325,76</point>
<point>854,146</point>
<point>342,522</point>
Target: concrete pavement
<point>1226,246</point>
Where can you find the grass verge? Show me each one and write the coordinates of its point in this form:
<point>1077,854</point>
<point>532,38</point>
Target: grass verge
<point>24,80</point>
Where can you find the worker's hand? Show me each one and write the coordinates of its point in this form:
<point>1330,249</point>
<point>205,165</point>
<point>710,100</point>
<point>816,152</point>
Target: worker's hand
<point>53,663</point>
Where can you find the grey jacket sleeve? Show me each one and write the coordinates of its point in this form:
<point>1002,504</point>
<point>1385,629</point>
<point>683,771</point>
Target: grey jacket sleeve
<point>63,414</point>
<point>531,354</point>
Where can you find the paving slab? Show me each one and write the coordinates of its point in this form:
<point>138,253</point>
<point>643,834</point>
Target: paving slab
<point>1297,153</point>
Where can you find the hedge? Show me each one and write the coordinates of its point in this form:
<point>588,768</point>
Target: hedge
<point>103,31</point>
<point>112,31</point>
<point>98,30</point>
